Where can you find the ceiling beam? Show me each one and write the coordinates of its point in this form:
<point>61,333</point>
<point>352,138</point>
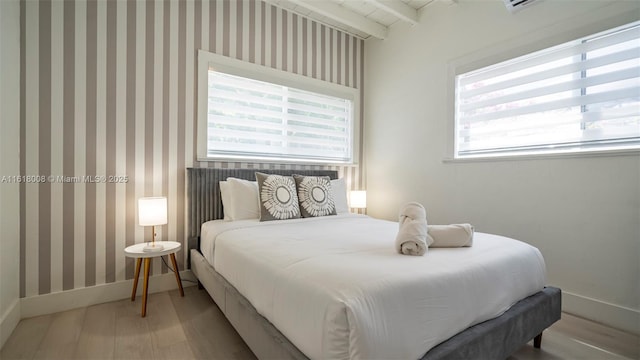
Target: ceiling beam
<point>345,16</point>
<point>397,8</point>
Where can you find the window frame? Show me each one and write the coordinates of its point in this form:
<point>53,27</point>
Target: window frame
<point>511,49</point>
<point>245,69</point>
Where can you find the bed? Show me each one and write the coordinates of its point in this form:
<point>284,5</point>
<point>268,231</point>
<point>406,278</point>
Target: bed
<point>236,282</point>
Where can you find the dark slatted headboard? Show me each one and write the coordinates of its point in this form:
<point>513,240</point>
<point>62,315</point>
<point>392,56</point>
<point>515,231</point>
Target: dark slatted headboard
<point>203,192</point>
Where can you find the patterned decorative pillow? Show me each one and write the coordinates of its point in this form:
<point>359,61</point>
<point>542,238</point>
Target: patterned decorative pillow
<point>315,196</point>
<point>278,197</point>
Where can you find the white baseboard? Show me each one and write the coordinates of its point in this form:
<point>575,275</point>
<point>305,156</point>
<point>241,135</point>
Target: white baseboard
<point>9,321</point>
<point>71,299</point>
<point>613,315</point>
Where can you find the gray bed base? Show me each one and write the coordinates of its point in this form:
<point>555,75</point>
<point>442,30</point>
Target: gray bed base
<point>493,339</point>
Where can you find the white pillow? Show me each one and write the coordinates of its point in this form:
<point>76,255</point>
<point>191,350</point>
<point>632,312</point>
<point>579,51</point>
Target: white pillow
<point>244,199</point>
<point>225,194</point>
<point>339,188</point>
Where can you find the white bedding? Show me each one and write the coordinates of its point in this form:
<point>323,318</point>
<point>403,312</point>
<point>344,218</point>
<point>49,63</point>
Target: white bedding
<point>336,288</point>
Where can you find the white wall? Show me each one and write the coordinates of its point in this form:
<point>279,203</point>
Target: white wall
<point>9,165</point>
<point>583,213</point>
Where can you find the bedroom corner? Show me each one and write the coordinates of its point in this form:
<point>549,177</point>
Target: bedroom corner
<point>10,91</point>
<point>581,211</point>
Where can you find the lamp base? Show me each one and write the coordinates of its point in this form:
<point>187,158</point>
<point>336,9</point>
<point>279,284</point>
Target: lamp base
<point>152,247</point>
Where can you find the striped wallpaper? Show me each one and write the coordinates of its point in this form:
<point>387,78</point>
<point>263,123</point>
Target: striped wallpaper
<point>108,88</point>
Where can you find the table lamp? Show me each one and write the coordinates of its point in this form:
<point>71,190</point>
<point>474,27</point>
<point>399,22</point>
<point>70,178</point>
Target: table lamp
<point>358,199</point>
<point>152,211</point>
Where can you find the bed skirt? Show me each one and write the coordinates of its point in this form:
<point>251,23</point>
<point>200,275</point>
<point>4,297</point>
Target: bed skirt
<point>493,339</point>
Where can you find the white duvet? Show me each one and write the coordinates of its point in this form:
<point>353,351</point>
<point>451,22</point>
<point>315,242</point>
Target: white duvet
<point>336,287</point>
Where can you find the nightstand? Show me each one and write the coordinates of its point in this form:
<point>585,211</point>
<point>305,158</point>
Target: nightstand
<point>135,251</point>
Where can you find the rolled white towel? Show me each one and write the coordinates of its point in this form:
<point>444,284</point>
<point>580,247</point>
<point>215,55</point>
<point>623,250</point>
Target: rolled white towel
<point>454,235</point>
<point>412,235</point>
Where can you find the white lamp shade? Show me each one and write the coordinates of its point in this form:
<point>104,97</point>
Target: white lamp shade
<point>358,199</point>
<point>152,211</point>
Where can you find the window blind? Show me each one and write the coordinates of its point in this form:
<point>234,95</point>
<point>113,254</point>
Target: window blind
<point>255,119</point>
<point>581,95</point>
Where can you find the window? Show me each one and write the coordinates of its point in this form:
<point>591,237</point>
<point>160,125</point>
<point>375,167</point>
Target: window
<point>258,113</point>
<point>579,96</point>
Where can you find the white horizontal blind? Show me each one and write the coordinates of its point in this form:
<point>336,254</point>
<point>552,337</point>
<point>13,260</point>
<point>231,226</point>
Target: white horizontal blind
<point>254,119</point>
<point>582,95</point>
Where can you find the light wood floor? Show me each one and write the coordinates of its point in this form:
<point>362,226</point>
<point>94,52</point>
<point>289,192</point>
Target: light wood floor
<point>194,328</point>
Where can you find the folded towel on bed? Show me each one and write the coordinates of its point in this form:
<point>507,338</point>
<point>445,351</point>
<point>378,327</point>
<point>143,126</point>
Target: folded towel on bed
<point>412,235</point>
<point>454,235</point>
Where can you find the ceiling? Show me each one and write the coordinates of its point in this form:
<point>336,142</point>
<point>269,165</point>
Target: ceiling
<point>362,18</point>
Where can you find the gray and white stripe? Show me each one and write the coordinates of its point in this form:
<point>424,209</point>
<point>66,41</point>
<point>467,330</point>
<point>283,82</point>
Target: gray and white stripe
<point>108,88</point>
